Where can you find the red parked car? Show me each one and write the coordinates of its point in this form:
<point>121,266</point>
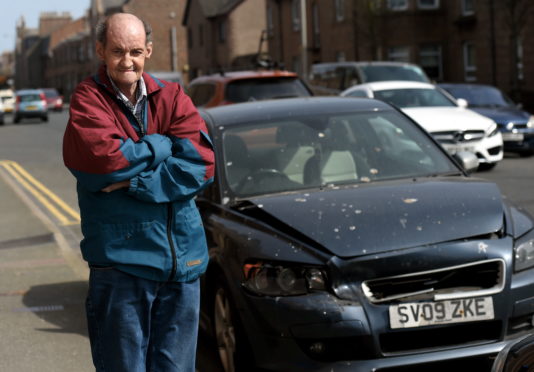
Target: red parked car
<point>248,85</point>
<point>54,100</point>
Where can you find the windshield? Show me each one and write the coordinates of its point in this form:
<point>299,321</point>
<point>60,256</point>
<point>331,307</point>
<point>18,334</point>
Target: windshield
<point>414,98</point>
<point>260,89</point>
<point>479,96</point>
<point>381,73</point>
<point>328,150</point>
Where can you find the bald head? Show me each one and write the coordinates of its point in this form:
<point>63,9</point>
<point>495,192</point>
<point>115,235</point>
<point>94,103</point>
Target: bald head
<point>120,22</point>
<point>124,46</point>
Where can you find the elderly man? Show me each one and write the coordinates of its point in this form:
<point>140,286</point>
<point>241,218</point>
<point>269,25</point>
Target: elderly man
<point>140,153</point>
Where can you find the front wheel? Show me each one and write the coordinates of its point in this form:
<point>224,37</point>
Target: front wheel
<point>234,351</point>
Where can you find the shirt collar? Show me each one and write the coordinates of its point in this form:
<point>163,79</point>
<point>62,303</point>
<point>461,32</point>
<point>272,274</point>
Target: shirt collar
<point>140,91</point>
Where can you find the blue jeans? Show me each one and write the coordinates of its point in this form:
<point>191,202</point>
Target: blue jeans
<point>139,325</point>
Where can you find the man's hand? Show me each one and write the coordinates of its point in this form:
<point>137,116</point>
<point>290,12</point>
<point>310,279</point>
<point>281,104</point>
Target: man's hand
<point>116,186</point>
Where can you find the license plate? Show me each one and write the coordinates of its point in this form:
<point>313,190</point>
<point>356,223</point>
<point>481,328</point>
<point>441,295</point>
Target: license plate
<point>512,137</point>
<point>31,108</point>
<point>454,149</point>
<point>420,314</point>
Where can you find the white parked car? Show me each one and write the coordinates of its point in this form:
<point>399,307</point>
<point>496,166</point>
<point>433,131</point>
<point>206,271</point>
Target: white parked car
<point>448,120</point>
<point>7,96</point>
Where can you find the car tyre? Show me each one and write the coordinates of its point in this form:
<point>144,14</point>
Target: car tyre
<point>232,345</point>
<point>16,119</point>
<point>44,118</point>
<point>526,154</point>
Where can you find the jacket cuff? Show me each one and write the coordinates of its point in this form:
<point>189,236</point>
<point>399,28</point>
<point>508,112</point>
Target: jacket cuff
<point>134,182</point>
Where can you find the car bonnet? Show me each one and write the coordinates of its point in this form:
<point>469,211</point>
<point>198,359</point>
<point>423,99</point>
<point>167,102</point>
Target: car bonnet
<point>504,115</point>
<point>370,219</point>
<point>439,119</point>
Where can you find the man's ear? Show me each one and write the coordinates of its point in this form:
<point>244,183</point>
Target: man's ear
<point>148,50</point>
<point>100,50</point>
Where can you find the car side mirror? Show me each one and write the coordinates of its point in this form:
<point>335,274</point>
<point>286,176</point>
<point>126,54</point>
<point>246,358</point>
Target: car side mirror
<point>519,106</point>
<point>467,160</point>
<point>462,102</point>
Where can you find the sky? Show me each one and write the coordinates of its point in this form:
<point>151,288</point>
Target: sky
<point>12,10</point>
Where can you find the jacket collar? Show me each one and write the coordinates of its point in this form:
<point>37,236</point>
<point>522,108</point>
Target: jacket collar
<point>102,78</point>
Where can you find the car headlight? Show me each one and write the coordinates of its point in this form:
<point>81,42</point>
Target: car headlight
<point>492,130</point>
<point>282,280</point>
<point>524,253</point>
<point>530,123</point>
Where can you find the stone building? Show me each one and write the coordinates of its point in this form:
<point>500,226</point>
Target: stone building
<point>223,34</point>
<point>484,41</point>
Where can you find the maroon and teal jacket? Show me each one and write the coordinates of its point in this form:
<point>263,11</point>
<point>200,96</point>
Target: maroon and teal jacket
<point>151,229</point>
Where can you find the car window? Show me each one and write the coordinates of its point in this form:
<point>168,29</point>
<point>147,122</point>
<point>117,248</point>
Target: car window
<point>201,93</point>
<point>260,89</point>
<point>29,97</point>
<point>381,73</point>
<point>334,77</point>
<point>50,93</point>
<point>481,96</point>
<point>357,93</point>
<point>405,98</point>
<point>312,151</point>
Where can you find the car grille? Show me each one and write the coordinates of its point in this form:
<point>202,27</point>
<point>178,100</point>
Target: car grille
<point>469,280</point>
<point>516,125</point>
<point>453,137</point>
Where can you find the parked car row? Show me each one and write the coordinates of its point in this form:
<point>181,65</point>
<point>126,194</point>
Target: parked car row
<point>447,110</point>
<point>30,103</point>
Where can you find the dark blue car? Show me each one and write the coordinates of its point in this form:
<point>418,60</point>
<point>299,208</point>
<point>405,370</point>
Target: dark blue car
<point>516,125</point>
<point>343,237</point>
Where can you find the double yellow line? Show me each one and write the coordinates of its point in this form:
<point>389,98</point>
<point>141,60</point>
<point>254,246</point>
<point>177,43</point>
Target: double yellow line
<point>57,207</point>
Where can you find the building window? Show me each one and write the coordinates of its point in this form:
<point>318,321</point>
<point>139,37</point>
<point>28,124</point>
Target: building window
<point>316,27</point>
<point>399,54</point>
<point>295,14</point>
<point>430,60</point>
<point>340,10</point>
<point>428,4</point>
<point>468,7</point>
<point>222,31</point>
<point>397,5</point>
<point>470,67</point>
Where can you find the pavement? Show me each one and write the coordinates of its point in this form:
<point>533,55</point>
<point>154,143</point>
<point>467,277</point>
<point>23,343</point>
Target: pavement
<point>43,283</point>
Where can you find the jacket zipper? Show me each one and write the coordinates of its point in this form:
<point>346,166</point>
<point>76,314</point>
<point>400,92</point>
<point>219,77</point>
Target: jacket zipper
<point>171,243</point>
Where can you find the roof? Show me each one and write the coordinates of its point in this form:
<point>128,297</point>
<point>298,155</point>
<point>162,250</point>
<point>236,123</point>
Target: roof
<point>212,8</point>
<point>281,108</point>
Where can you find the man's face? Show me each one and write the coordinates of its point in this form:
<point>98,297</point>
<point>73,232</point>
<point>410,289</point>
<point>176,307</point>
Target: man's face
<point>125,52</point>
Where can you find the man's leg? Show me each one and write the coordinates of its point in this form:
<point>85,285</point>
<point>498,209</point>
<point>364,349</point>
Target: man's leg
<point>118,313</point>
<point>173,336</point>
